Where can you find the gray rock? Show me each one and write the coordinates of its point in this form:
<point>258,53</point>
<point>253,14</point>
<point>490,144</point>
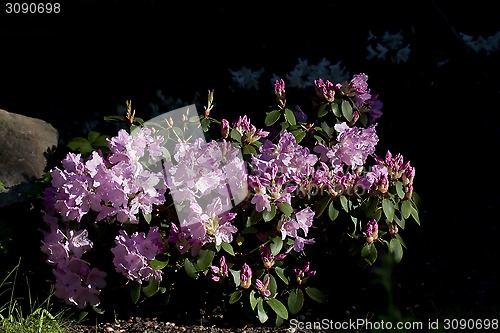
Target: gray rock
<point>26,144</point>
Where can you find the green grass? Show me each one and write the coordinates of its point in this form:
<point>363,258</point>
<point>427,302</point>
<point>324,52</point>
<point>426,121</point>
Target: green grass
<point>39,317</point>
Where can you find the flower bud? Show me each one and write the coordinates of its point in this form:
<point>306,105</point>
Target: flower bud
<point>245,276</point>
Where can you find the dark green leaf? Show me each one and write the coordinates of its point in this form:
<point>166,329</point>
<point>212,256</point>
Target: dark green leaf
<point>388,209</point>
<point>295,300</point>
<point>205,124</point>
<point>399,221</point>
<point>347,110</point>
<point>157,264</point>
<point>81,145</point>
<point>278,307</point>
<point>406,209</point>
<point>204,259</point>
<point>281,274</point>
<point>114,118</point>
<point>147,217</point>
<point>332,212</point>
<point>235,135</point>
<point>253,299</point>
<point>190,269</point>
<point>322,110</point>
<point>315,294</point>
<point>414,214</point>
<point>135,292</point>
<point>228,248</point>
<point>290,117</point>
<point>398,237</point>
<point>335,109</point>
<point>269,215</point>
<point>399,190</point>
<point>236,276</point>
<point>248,149</point>
<point>299,135</point>
<point>235,297</point>
<point>276,245</point>
<point>396,249</point>
<point>272,117</point>
<point>273,286</point>
<point>151,288</point>
<point>261,313</point>
<point>327,129</point>
<point>369,253</point>
<point>286,208</point>
<point>320,205</point>
<point>345,203</point>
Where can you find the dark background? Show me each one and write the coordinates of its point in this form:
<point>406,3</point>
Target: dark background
<point>80,64</point>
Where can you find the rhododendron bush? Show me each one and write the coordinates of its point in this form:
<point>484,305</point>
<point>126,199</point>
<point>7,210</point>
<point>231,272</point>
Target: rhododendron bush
<point>227,203</point>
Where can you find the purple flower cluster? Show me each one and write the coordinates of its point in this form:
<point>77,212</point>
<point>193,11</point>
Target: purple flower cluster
<point>205,181</point>
<point>116,188</point>
<point>132,255</point>
<point>220,198</point>
<point>353,146</point>
<point>75,282</point>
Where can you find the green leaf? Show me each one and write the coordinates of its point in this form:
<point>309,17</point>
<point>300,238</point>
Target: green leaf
<point>299,135</point>
<point>248,149</point>
<point>235,135</point>
<point>135,292</point>
<point>272,117</point>
<point>332,212</point>
<point>114,118</point>
<point>81,145</point>
<point>363,119</point>
<point>320,205</point>
<point>228,248</point>
<point>157,264</point>
<point>281,274</point>
<point>398,237</point>
<point>328,130</point>
<point>290,117</point>
<point>278,307</point>
<point>205,259</point>
<point>400,222</point>
<point>315,294</point>
<point>276,245</point>
<point>254,300</point>
<point>369,253</point>
<point>261,313</point>
<point>335,109</point>
<point>190,269</point>
<point>235,297</point>
<point>93,136</point>
<point>151,288</point>
<point>295,300</point>
<point>205,124</point>
<point>255,217</point>
<point>147,217</point>
<point>269,215</point>
<point>273,285</point>
<point>347,110</point>
<point>322,110</point>
<point>388,209</point>
<point>396,249</point>
<point>345,203</point>
<point>414,214</point>
<point>406,209</point>
<point>371,206</point>
<point>286,208</point>
<point>399,190</point>
<point>236,276</point>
